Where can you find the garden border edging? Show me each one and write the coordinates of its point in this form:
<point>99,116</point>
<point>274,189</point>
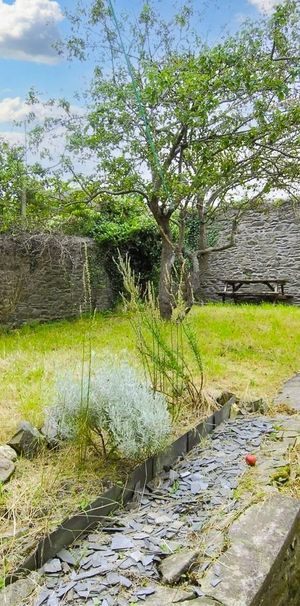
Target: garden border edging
<point>103,506</point>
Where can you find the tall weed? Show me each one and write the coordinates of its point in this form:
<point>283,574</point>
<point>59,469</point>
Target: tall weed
<point>164,347</point>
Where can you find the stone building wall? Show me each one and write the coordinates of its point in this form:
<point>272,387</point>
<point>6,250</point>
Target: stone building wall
<point>267,245</point>
<point>47,278</point>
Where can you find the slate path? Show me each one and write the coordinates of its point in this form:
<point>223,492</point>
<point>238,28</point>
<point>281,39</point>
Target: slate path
<point>120,565</point>
<point>290,393</point>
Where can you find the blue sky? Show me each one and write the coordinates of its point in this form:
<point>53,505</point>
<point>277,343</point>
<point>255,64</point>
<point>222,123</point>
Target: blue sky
<point>28,29</point>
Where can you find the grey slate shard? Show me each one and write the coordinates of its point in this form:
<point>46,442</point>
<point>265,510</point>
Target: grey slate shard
<point>136,556</point>
<point>97,589</point>
<point>44,595</point>
<point>113,578</point>
<point>125,564</point>
<point>120,542</point>
<point>65,556</point>
<point>64,589</point>
<point>173,475</point>
<point>125,582</point>
<point>217,570</point>
<point>144,591</point>
<point>96,560</point>
<point>89,573</point>
<point>198,486</point>
<point>198,592</point>
<point>53,566</point>
<point>215,581</point>
<point>94,546</point>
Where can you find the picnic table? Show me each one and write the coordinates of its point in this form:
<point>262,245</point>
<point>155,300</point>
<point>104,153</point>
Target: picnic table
<point>275,290</point>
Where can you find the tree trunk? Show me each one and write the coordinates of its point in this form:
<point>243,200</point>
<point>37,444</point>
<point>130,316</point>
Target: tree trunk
<point>165,279</point>
<point>202,241</point>
<point>202,244</point>
<point>195,274</point>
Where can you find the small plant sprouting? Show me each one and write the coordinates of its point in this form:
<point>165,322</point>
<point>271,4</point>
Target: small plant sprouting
<point>175,486</point>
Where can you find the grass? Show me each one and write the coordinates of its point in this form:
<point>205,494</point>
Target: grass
<point>249,350</point>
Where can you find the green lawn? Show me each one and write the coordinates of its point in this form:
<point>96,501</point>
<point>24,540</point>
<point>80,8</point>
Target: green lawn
<point>248,349</point>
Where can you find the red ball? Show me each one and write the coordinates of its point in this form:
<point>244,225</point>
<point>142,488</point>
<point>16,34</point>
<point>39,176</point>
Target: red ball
<point>250,460</point>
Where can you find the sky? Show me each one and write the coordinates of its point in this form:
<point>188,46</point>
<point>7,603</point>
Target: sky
<point>30,28</point>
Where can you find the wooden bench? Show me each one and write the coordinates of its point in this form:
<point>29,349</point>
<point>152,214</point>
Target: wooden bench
<point>275,292</point>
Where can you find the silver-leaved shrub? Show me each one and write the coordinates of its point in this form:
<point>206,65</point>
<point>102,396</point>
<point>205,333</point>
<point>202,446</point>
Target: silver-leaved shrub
<point>114,403</point>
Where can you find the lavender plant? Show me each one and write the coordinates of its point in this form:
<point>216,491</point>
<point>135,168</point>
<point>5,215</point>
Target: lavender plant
<point>115,409</point>
<point>138,419</point>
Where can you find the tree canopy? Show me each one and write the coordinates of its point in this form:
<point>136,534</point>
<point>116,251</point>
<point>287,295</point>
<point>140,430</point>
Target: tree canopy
<point>182,124</point>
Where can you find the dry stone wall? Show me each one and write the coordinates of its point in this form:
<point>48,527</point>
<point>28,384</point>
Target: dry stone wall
<point>267,245</point>
<point>47,278</point>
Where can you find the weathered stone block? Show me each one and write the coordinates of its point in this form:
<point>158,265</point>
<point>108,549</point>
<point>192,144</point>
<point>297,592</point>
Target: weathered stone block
<point>8,453</point>
<point>19,592</point>
<point>7,468</point>
<point>200,602</point>
<point>165,596</point>
<point>289,394</point>
<point>261,564</point>
<point>177,564</point>
<point>27,440</point>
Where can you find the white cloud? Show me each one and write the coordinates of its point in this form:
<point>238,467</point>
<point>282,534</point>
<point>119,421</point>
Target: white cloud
<point>15,109</point>
<point>28,29</point>
<point>12,137</point>
<point>12,108</point>
<point>265,6</point>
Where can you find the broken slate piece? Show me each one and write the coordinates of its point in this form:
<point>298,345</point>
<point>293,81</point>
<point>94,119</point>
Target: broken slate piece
<point>64,589</point>
<point>120,542</point>
<point>65,556</point>
<point>136,556</point>
<point>53,566</point>
<point>145,591</point>
<point>217,570</point>
<point>148,559</point>
<point>198,486</point>
<point>127,563</point>
<point>173,475</point>
<point>215,581</point>
<point>89,574</point>
<point>125,582</point>
<point>41,599</point>
<point>113,578</point>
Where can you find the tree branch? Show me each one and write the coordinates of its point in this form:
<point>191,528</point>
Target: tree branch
<point>120,192</point>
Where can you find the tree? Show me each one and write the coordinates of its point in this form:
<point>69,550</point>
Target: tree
<point>26,196</point>
<point>183,125</point>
